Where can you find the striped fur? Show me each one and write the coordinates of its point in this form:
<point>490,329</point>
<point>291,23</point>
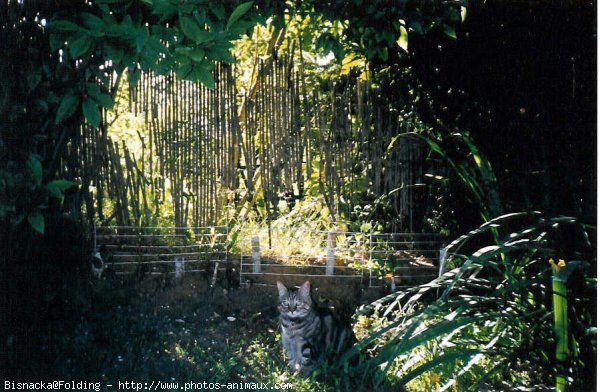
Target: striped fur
<point>310,335</point>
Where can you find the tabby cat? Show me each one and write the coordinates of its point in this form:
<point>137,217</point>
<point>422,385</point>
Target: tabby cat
<point>310,335</point>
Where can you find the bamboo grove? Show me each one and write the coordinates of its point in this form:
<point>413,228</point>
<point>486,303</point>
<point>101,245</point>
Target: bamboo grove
<point>209,148</point>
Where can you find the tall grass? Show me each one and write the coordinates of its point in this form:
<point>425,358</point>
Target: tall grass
<point>488,320</point>
<point>474,172</point>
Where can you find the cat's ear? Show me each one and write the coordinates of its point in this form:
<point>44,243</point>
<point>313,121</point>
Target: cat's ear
<point>305,290</point>
<point>283,291</point>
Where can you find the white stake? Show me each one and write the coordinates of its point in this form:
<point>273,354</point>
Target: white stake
<point>256,254</point>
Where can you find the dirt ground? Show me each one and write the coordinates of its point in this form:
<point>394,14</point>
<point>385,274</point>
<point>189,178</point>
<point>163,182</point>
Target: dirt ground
<point>227,309</point>
<point>155,327</point>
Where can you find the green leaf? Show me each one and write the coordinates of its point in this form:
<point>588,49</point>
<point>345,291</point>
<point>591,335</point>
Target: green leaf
<point>382,51</point>
<point>388,37</point>
<point>64,25</point>
<point>79,45</point>
<point>34,167</point>
<point>165,9</point>
<point>146,62</point>
<point>220,55</point>
<point>371,53</point>
<point>93,23</point>
<point>223,45</point>
<point>141,38</point>
<point>451,357</point>
<point>200,15</point>
<point>164,66</point>
<point>351,62</point>
<point>104,100</point>
<point>449,31</point>
<point>155,46</point>
<point>239,28</point>
<point>42,105</point>
<point>240,11</point>
<point>324,42</point>
<point>62,184</point>
<point>56,41</point>
<point>403,39</point>
<point>114,53</point>
<point>38,137</point>
<point>204,76</point>
<point>133,76</point>
<point>33,79</point>
<point>57,188</point>
<point>416,26</point>
<point>184,51</point>
<point>92,89</point>
<point>217,9</point>
<point>91,112</point>
<point>36,220</point>
<point>193,31</point>
<point>67,106</point>
<point>183,71</point>
<point>197,54</point>
<point>338,51</point>
<point>54,191</point>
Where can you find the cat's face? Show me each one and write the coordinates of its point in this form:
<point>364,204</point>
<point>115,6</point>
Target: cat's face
<point>294,303</point>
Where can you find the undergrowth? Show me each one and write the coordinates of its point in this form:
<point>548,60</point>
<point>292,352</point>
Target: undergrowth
<point>169,331</point>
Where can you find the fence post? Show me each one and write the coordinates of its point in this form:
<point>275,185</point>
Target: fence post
<point>371,257</point>
<point>330,253</point>
<point>255,254</point>
<point>442,261</point>
<point>393,287</point>
<point>179,265</point>
<point>216,271</point>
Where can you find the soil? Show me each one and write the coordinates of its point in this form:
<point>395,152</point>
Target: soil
<point>192,300</point>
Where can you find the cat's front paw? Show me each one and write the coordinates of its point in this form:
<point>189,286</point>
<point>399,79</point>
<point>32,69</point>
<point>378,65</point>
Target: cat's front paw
<point>300,369</point>
<point>295,367</point>
<point>306,371</point>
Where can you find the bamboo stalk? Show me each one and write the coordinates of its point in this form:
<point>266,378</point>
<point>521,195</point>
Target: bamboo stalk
<point>559,302</point>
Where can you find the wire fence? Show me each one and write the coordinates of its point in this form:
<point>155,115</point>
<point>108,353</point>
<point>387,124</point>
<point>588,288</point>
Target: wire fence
<point>396,260</point>
<point>163,250</point>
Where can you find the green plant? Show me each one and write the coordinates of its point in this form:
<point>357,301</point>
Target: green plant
<point>298,230</point>
<point>486,322</point>
<point>25,197</point>
<point>474,172</point>
<point>560,277</point>
<point>63,61</point>
<point>376,29</point>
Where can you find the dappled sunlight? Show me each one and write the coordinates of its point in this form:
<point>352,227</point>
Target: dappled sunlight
<point>315,195</point>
